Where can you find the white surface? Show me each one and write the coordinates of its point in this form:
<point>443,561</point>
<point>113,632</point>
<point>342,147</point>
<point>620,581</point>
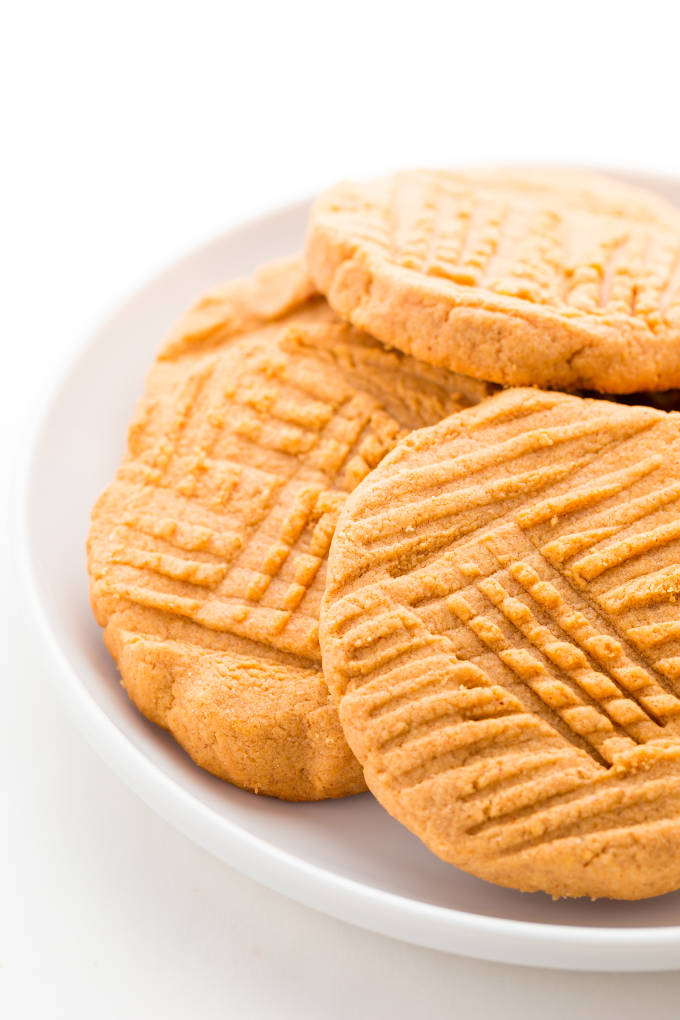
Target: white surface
<point>347,858</point>
<point>135,130</point>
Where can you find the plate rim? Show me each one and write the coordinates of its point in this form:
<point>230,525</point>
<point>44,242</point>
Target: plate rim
<point>448,929</point>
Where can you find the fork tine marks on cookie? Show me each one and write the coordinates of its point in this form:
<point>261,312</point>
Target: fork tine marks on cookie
<point>507,647</point>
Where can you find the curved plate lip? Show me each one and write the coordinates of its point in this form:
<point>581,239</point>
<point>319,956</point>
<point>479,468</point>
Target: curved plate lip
<point>482,936</point>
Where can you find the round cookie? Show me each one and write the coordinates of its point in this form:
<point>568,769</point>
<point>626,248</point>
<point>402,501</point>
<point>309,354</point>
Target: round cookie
<point>207,553</point>
<point>545,277</point>
<point>501,631</point>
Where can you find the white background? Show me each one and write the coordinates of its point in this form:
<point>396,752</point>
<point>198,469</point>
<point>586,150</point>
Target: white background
<point>129,132</point>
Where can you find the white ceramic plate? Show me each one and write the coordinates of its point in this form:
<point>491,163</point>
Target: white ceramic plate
<point>348,858</point>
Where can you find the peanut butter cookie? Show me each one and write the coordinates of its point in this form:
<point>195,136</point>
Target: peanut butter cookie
<point>207,553</point>
<point>552,278</point>
<point>502,633</point>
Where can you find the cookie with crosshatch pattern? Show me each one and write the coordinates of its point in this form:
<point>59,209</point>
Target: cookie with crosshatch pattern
<point>207,554</point>
<point>501,630</point>
<point>542,277</point>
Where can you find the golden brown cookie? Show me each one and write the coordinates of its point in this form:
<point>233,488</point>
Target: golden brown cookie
<point>207,553</point>
<point>502,633</point>
<point>528,277</point>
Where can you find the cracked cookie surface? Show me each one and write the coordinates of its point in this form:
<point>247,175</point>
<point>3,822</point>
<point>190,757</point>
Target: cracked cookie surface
<point>553,278</point>
<point>501,632</point>
<point>207,553</point>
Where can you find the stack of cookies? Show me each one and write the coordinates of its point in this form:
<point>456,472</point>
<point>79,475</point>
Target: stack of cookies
<point>394,514</point>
